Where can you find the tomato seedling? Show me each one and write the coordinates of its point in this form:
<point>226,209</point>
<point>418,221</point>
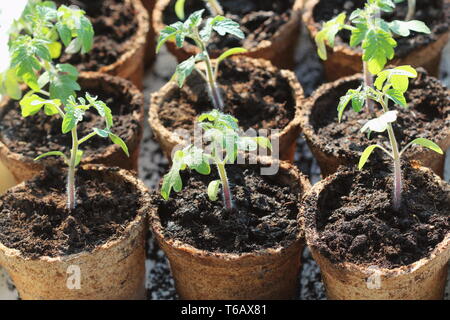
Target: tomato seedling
<point>369,30</point>
<point>225,143</point>
<point>190,29</point>
<point>391,84</point>
<point>36,40</point>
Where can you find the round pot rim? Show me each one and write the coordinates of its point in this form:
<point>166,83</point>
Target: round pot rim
<point>140,218</point>
<point>443,140</point>
<point>138,115</point>
<point>158,97</point>
<point>311,25</point>
<point>309,225</point>
<point>265,45</point>
<point>136,41</point>
<point>156,227</point>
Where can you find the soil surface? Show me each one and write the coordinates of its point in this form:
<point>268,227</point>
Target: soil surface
<point>259,20</point>
<point>426,117</point>
<point>114,23</point>
<point>434,13</point>
<point>34,219</point>
<point>357,223</point>
<point>257,97</point>
<point>40,133</point>
<point>264,216</point>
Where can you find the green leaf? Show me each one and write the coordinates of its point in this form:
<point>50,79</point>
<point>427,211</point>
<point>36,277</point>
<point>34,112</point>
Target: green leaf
<point>196,160</point>
<point>358,34</point>
<point>102,133</point>
<point>356,96</point>
<point>328,33</point>
<point>52,153</point>
<point>169,33</point>
<point>428,144</point>
<point>404,28</point>
<point>9,83</point>
<point>229,53</point>
<point>397,96</point>
<point>64,32</point>
<point>64,83</point>
<point>78,157</point>
<point>213,189</point>
<point>224,25</point>
<point>74,114</point>
<point>378,47</point>
<point>184,70</point>
<point>172,180</point>
<point>31,105</point>
<point>365,155</point>
<point>264,142</point>
<point>179,9</point>
<point>117,140</point>
<point>55,49</point>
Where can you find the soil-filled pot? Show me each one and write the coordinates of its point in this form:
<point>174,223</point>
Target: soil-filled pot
<point>367,250</point>
<point>418,50</point>
<point>95,251</point>
<point>271,27</point>
<point>251,253</point>
<point>258,94</point>
<point>334,144</point>
<point>150,53</point>
<point>121,29</point>
<point>23,139</point>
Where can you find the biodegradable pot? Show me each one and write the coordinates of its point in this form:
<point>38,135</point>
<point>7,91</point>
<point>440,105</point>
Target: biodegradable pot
<point>279,49</point>
<point>344,60</point>
<point>24,167</point>
<point>424,279</point>
<point>150,53</point>
<point>287,138</point>
<point>330,155</point>
<point>6,178</point>
<point>266,274</point>
<point>113,270</point>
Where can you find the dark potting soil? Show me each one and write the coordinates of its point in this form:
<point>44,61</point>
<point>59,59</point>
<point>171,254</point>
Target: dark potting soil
<point>357,223</point>
<point>264,216</point>
<point>40,133</point>
<point>34,218</point>
<point>427,116</point>
<point>114,23</point>
<point>259,19</point>
<point>257,97</point>
<point>434,13</point>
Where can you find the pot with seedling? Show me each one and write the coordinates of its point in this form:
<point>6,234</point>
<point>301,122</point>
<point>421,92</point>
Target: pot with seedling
<point>272,27</point>
<point>378,234</point>
<point>34,64</point>
<point>427,112</point>
<point>231,233</point>
<point>86,243</point>
<point>258,94</point>
<point>417,45</point>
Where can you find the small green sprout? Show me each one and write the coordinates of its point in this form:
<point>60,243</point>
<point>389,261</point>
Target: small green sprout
<point>36,40</point>
<point>213,5</point>
<point>375,36</point>
<point>179,31</point>
<point>391,84</point>
<point>225,143</point>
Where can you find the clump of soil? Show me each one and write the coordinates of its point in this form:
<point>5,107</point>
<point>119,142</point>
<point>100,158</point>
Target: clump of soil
<point>40,133</point>
<point>427,116</point>
<point>259,19</point>
<point>34,218</point>
<point>435,14</point>
<point>357,223</point>
<point>257,97</point>
<point>114,23</point>
<point>265,214</point>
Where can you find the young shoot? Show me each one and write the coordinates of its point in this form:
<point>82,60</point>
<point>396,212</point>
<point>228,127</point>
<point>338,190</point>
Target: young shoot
<point>72,114</point>
<point>391,84</point>
<point>190,29</point>
<point>213,5</point>
<point>372,33</point>
<point>225,143</point>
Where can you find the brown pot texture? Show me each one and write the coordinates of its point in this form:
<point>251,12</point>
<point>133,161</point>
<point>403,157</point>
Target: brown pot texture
<point>24,168</point>
<point>114,270</point>
<point>279,49</point>
<point>265,274</point>
<point>344,60</point>
<point>424,279</point>
<point>130,65</point>
<point>150,53</point>
<point>6,178</point>
<point>287,138</point>
<point>329,161</point>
